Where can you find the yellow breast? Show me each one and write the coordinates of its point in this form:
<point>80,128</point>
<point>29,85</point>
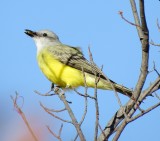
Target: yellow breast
<point>57,72</point>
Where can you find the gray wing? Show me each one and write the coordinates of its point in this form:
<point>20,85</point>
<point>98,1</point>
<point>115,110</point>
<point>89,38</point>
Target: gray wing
<point>73,57</point>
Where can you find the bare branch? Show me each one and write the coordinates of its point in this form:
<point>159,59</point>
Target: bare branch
<point>97,109</point>
<point>157,96</point>
<point>119,131</point>
<point>154,68</point>
<point>158,25</point>
<point>121,14</point>
<point>52,110</point>
<point>86,95</point>
<point>57,117</point>
<point>151,42</point>
<point>131,105</point>
<point>90,55</point>
<point>145,93</point>
<point>100,70</point>
<point>59,134</point>
<point>86,102</point>
<point>116,94</point>
<point>85,111</point>
<point>119,116</point>
<point>84,114</point>
<point>19,110</point>
<point>154,44</point>
<point>152,88</point>
<point>62,97</point>
<point>145,47</point>
<point>46,94</point>
<point>101,130</point>
<point>144,112</point>
<point>136,18</point>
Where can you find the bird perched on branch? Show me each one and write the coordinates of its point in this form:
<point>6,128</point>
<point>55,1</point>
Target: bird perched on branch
<point>66,66</point>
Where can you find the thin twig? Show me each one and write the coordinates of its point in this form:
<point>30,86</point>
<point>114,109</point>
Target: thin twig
<point>59,133</point>
<point>57,111</point>
<point>150,89</point>
<point>158,25</point>
<point>90,55</point>
<point>85,111</point>
<point>86,95</point>
<point>119,131</point>
<point>62,97</point>
<point>115,92</point>
<point>19,110</point>
<point>136,18</point>
<point>97,79</point>
<point>83,116</point>
<point>100,70</point>
<point>101,130</point>
<point>95,96</point>
<point>97,109</point>
<point>121,14</point>
<point>101,73</point>
<point>157,96</point>
<point>86,102</point>
<point>46,94</point>
<point>144,112</point>
<point>55,116</point>
<point>154,67</point>
<point>52,110</point>
<point>144,37</point>
<point>154,44</point>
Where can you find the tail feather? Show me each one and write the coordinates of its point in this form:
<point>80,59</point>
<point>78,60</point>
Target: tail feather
<point>123,90</point>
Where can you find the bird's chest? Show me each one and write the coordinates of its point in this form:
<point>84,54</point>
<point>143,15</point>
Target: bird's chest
<point>59,73</point>
<point>52,68</point>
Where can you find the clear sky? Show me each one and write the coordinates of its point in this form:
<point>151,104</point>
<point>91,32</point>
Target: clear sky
<point>114,44</point>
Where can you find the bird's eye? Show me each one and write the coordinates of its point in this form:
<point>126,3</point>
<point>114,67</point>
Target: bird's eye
<point>44,34</point>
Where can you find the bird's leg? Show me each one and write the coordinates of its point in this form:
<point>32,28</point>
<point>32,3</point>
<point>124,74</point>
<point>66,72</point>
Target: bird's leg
<point>52,86</point>
<point>57,90</point>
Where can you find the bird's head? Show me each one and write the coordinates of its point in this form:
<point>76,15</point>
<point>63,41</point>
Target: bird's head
<point>43,38</point>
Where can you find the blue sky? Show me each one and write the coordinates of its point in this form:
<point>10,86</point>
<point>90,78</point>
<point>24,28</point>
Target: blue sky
<point>114,44</point>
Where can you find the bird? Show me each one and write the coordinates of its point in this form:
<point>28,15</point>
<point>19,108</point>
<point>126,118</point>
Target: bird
<point>66,66</point>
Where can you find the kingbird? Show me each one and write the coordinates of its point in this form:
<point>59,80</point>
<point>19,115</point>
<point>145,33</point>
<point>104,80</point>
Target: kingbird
<point>66,66</point>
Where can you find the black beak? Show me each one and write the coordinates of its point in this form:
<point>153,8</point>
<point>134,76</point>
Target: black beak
<point>30,33</point>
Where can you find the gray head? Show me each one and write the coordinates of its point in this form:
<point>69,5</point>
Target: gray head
<point>43,38</point>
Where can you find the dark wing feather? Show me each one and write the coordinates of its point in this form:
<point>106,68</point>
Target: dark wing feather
<point>73,57</point>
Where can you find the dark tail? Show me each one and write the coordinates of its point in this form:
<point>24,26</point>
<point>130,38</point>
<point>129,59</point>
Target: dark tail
<point>123,90</point>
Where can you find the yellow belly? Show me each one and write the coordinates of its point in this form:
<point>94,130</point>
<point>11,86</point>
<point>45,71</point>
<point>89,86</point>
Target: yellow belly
<point>66,76</point>
<point>59,73</point>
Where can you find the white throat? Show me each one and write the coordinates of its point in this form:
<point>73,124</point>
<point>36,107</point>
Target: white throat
<point>44,42</point>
